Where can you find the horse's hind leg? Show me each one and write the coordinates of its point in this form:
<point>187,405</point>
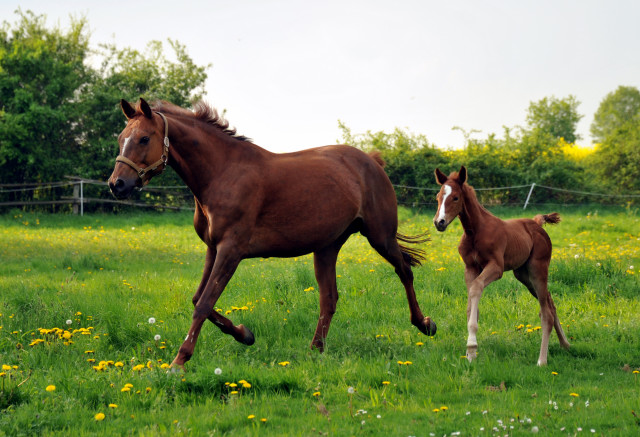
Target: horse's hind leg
<point>388,247</point>
<point>324,262</point>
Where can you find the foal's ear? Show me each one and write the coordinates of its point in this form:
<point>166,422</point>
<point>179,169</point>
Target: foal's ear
<point>462,175</point>
<point>127,109</point>
<point>145,108</point>
<point>441,178</point>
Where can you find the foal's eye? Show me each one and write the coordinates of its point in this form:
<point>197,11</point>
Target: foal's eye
<point>455,199</point>
<point>144,140</point>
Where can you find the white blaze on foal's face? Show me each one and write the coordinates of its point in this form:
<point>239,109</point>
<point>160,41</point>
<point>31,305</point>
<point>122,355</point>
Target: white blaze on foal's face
<point>441,213</point>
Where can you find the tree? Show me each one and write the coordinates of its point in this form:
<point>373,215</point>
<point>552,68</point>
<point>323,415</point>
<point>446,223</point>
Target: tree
<point>41,72</point>
<point>556,117</point>
<point>60,116</point>
<point>618,108</point>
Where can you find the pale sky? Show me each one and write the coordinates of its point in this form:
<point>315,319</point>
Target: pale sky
<point>286,71</point>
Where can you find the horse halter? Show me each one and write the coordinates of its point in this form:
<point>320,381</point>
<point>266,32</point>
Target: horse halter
<point>143,173</point>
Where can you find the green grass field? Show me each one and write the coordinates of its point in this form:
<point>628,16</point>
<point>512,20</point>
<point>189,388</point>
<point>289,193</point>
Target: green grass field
<point>80,355</point>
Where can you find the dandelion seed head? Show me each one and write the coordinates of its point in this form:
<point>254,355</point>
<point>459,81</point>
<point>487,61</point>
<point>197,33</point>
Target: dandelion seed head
<point>68,322</point>
<point>218,371</point>
<point>157,337</point>
<point>351,390</point>
<point>152,320</point>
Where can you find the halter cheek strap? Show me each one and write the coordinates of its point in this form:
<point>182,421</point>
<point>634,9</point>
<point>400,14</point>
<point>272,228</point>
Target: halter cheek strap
<point>145,173</point>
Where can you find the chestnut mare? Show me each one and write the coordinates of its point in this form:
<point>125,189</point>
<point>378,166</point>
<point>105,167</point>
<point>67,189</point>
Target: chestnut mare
<point>253,203</point>
<point>489,246</point>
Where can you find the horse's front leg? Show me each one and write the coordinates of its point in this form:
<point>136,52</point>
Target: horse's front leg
<point>210,258</point>
<point>224,266</point>
<point>476,283</point>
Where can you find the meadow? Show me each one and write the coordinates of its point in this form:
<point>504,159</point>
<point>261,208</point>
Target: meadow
<point>94,308</point>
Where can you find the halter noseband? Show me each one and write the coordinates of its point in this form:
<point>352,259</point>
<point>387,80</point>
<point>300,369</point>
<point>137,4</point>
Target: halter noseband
<point>143,173</point>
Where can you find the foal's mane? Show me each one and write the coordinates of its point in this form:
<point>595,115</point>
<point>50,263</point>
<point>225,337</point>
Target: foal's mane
<point>469,192</point>
<point>202,112</point>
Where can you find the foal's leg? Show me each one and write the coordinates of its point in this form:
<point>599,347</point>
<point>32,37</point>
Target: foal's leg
<point>475,285</point>
<point>534,275</point>
<point>324,262</point>
<point>224,266</point>
<point>390,250</point>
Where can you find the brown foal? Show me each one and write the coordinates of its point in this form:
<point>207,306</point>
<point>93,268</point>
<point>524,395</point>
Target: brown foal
<point>490,246</point>
<point>253,203</point>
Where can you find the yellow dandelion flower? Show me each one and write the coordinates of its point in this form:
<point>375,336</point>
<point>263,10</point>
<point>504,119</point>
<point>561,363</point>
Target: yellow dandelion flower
<point>575,395</point>
<point>251,416</point>
<point>148,389</point>
<point>113,405</point>
<point>284,363</point>
<point>6,367</point>
<point>246,385</point>
<point>385,383</point>
<point>436,410</point>
<point>419,343</point>
<point>554,373</point>
<point>51,388</point>
<point>233,385</point>
<point>444,408</point>
<point>636,371</point>
<point>316,394</point>
<point>125,389</point>
<point>233,393</point>
<point>99,417</point>
<point>263,420</point>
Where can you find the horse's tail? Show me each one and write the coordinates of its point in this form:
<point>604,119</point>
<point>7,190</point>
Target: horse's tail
<point>543,219</point>
<point>414,257</point>
<point>376,155</point>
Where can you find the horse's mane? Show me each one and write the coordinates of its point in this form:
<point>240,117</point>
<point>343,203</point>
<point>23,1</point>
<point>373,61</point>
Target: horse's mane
<point>203,112</point>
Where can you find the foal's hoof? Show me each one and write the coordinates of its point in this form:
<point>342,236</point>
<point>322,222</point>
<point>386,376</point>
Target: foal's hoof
<point>246,336</point>
<point>429,327</point>
<point>472,353</point>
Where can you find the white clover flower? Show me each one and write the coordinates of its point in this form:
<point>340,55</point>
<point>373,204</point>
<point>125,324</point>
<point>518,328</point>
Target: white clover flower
<point>152,320</point>
<point>157,337</point>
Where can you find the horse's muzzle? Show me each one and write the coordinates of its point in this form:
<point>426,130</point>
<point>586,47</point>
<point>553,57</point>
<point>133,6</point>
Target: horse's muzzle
<point>121,188</point>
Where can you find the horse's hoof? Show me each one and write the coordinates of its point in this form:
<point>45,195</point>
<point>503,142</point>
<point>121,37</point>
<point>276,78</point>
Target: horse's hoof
<point>430,327</point>
<point>247,336</point>
<point>176,369</point>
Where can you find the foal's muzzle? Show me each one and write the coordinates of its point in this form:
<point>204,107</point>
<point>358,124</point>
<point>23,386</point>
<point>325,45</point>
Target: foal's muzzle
<point>440,225</point>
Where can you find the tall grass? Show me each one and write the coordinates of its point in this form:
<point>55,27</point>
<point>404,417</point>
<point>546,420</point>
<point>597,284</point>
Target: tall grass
<point>109,275</point>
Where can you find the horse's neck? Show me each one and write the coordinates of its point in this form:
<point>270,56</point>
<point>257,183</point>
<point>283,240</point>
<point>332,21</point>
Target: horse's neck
<point>472,214</point>
<point>200,158</point>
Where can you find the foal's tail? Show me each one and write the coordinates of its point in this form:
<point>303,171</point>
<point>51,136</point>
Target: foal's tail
<point>543,219</point>
<point>414,257</point>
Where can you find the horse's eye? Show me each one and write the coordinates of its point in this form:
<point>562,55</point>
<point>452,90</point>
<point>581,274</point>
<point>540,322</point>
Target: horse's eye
<point>144,140</point>
<point>455,199</point>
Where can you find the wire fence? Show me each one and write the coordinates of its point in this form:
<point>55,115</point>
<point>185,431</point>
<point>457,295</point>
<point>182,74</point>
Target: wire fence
<point>79,195</point>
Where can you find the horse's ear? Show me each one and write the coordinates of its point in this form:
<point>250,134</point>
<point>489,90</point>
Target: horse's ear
<point>462,175</point>
<point>441,178</point>
<point>145,108</point>
<point>127,109</point>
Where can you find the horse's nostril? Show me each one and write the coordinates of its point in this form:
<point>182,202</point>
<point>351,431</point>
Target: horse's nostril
<point>441,222</point>
<point>119,183</point>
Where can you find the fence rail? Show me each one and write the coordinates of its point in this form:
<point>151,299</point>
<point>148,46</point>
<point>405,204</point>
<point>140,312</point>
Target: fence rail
<point>75,193</point>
